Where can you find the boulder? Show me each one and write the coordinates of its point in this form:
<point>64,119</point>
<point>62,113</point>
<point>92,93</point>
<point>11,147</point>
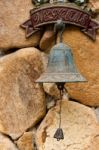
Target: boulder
<point>50,101</point>
<point>94,4</point>
<point>51,89</point>
<point>6,143</point>
<point>13,14</point>
<point>27,141</point>
<point>79,124</point>
<point>47,40</point>
<point>22,100</point>
<point>97,113</point>
<point>86,56</point>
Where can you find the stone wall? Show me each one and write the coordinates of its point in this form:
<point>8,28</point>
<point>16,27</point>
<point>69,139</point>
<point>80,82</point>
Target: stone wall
<point>29,112</point>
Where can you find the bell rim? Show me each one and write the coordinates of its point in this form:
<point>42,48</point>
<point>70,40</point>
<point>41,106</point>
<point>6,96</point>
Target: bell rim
<point>60,77</point>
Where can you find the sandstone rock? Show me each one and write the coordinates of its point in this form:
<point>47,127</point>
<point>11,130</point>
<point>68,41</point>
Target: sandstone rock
<point>1,53</point>
<point>6,143</point>
<point>47,39</point>
<point>97,113</point>
<point>14,13</point>
<point>78,123</point>
<point>50,101</point>
<point>95,143</point>
<point>22,102</point>
<point>86,56</point>
<point>45,60</point>
<point>51,89</point>
<point>27,141</point>
<point>94,5</point>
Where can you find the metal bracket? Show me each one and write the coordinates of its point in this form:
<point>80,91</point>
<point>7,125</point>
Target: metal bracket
<point>59,27</point>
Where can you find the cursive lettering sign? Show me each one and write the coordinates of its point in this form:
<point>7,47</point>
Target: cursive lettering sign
<point>69,15</point>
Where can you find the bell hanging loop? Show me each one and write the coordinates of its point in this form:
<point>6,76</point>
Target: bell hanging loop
<point>59,27</point>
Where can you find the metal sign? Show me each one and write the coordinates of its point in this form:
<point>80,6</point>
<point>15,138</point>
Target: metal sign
<point>69,15</point>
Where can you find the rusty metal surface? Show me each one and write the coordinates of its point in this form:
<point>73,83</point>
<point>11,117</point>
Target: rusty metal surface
<point>70,15</point>
<point>61,66</point>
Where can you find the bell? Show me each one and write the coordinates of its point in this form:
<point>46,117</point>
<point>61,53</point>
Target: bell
<point>61,66</point>
<point>60,69</point>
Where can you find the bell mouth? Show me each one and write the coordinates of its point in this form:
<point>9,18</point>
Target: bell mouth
<point>60,77</point>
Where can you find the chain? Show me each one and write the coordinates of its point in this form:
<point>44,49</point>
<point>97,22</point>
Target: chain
<point>60,110</point>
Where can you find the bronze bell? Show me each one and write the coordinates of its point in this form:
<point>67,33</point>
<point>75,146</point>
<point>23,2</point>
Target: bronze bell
<point>61,66</point>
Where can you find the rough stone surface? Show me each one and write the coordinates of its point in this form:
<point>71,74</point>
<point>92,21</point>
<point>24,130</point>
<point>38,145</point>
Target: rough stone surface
<point>79,123</point>
<point>50,101</point>
<point>97,113</point>
<point>86,56</point>
<point>47,40</point>
<point>22,101</point>
<point>95,143</point>
<point>94,5</point>
<point>27,141</point>
<point>6,143</point>
<point>12,14</point>
<point>51,89</point>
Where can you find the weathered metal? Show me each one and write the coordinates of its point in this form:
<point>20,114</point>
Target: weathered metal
<point>61,66</point>
<point>49,14</point>
<point>59,135</point>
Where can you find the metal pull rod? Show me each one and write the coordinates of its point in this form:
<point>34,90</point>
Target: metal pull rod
<point>59,135</point>
<point>59,28</point>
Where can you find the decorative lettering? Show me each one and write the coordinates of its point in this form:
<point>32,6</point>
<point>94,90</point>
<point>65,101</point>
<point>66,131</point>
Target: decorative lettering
<point>50,14</point>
